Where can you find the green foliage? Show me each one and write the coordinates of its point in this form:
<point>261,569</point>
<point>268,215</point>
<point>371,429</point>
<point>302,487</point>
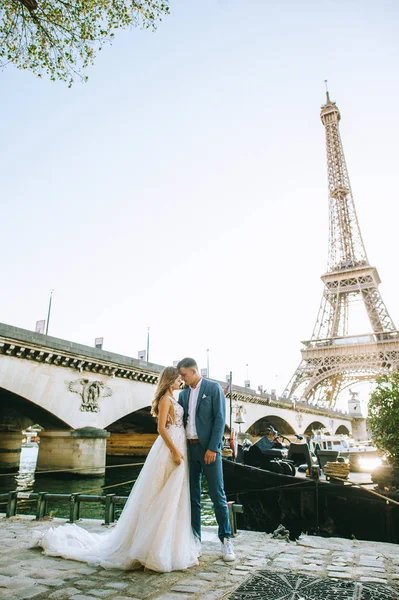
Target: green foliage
<point>384,415</point>
<point>60,37</point>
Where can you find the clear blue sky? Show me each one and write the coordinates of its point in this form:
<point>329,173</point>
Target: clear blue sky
<point>184,186</point>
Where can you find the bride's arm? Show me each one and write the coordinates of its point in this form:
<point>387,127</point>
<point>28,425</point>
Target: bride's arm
<point>163,411</point>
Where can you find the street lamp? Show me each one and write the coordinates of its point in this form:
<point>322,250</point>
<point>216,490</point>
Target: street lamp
<point>239,418</point>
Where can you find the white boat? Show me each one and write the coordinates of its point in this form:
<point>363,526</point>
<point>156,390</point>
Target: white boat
<point>363,456</point>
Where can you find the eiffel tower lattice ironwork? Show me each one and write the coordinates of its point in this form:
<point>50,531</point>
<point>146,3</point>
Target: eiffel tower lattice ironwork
<point>332,359</point>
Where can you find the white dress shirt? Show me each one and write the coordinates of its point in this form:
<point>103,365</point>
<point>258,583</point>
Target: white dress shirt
<point>191,430</point>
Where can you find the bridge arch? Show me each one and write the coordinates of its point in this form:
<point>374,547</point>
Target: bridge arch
<point>313,426</point>
<point>342,430</point>
<point>139,419</point>
<point>260,427</point>
<point>17,413</point>
<point>133,434</point>
<point>293,421</point>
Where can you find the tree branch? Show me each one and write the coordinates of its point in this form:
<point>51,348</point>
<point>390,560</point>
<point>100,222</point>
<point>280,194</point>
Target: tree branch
<point>31,5</point>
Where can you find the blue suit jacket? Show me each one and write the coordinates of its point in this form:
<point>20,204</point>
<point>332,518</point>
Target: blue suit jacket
<point>210,416</point>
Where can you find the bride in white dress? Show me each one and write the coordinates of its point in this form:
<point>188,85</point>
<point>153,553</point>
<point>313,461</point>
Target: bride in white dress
<point>154,529</point>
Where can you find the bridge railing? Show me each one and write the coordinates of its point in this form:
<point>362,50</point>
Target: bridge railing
<point>109,501</point>
<point>282,402</point>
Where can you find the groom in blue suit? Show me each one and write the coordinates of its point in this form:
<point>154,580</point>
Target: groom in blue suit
<point>204,407</point>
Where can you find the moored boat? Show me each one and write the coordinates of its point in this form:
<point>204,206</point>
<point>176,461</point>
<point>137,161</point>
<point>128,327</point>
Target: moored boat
<point>362,456</point>
<point>303,504</point>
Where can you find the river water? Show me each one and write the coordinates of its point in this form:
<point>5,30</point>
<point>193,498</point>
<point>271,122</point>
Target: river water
<point>66,483</point>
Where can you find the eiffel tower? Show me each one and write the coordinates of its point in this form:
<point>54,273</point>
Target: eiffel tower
<point>332,360</point>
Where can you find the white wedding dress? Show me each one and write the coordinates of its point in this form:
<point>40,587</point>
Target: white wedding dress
<point>154,529</point>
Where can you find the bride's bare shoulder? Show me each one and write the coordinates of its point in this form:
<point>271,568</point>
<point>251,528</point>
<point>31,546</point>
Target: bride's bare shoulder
<point>165,399</point>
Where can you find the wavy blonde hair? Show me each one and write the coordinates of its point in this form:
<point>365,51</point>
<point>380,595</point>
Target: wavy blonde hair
<point>166,379</point>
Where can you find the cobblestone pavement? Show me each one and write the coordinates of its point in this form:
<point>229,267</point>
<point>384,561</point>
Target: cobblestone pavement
<point>27,573</point>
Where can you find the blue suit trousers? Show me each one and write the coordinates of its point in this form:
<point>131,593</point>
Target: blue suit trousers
<point>214,477</point>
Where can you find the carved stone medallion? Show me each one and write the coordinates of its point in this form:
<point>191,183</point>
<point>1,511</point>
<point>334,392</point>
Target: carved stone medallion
<point>90,392</point>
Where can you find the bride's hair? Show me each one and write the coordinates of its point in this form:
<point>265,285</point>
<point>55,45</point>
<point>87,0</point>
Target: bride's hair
<point>166,379</point>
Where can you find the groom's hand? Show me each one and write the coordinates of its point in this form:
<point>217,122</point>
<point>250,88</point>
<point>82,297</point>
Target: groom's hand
<point>210,457</point>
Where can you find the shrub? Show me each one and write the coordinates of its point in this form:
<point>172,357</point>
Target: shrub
<point>383,415</point>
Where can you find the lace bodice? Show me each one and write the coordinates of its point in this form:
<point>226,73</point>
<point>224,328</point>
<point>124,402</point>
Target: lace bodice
<point>179,412</point>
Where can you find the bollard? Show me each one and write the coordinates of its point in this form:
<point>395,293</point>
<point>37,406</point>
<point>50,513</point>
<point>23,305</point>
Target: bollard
<point>315,472</point>
<point>233,510</point>
<point>109,516</point>
<point>358,591</point>
<point>74,508</point>
<point>11,505</point>
<point>41,509</point>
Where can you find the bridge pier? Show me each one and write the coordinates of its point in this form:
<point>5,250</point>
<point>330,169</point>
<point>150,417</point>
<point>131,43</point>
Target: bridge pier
<point>82,449</point>
<point>10,450</point>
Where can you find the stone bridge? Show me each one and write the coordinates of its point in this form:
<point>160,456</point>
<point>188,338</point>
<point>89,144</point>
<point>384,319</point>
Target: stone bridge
<point>90,401</point>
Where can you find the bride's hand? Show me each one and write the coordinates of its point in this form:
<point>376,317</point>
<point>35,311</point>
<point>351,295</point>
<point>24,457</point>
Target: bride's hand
<point>177,457</point>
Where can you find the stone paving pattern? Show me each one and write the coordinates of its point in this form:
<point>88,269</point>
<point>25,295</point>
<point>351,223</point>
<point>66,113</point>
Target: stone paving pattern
<point>27,573</point>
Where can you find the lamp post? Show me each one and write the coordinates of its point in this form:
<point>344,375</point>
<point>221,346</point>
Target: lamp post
<point>247,382</point>
<point>148,344</point>
<point>207,362</point>
<point>49,310</point>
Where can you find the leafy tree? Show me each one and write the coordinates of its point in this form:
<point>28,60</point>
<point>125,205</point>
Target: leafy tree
<point>60,37</point>
<point>383,415</point>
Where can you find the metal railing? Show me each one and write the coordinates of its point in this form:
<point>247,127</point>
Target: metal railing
<point>109,501</point>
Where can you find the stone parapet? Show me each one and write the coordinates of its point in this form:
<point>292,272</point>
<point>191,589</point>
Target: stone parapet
<point>24,344</point>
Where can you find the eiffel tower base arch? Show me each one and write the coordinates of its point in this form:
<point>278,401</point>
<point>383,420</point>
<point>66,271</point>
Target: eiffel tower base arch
<point>328,367</point>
